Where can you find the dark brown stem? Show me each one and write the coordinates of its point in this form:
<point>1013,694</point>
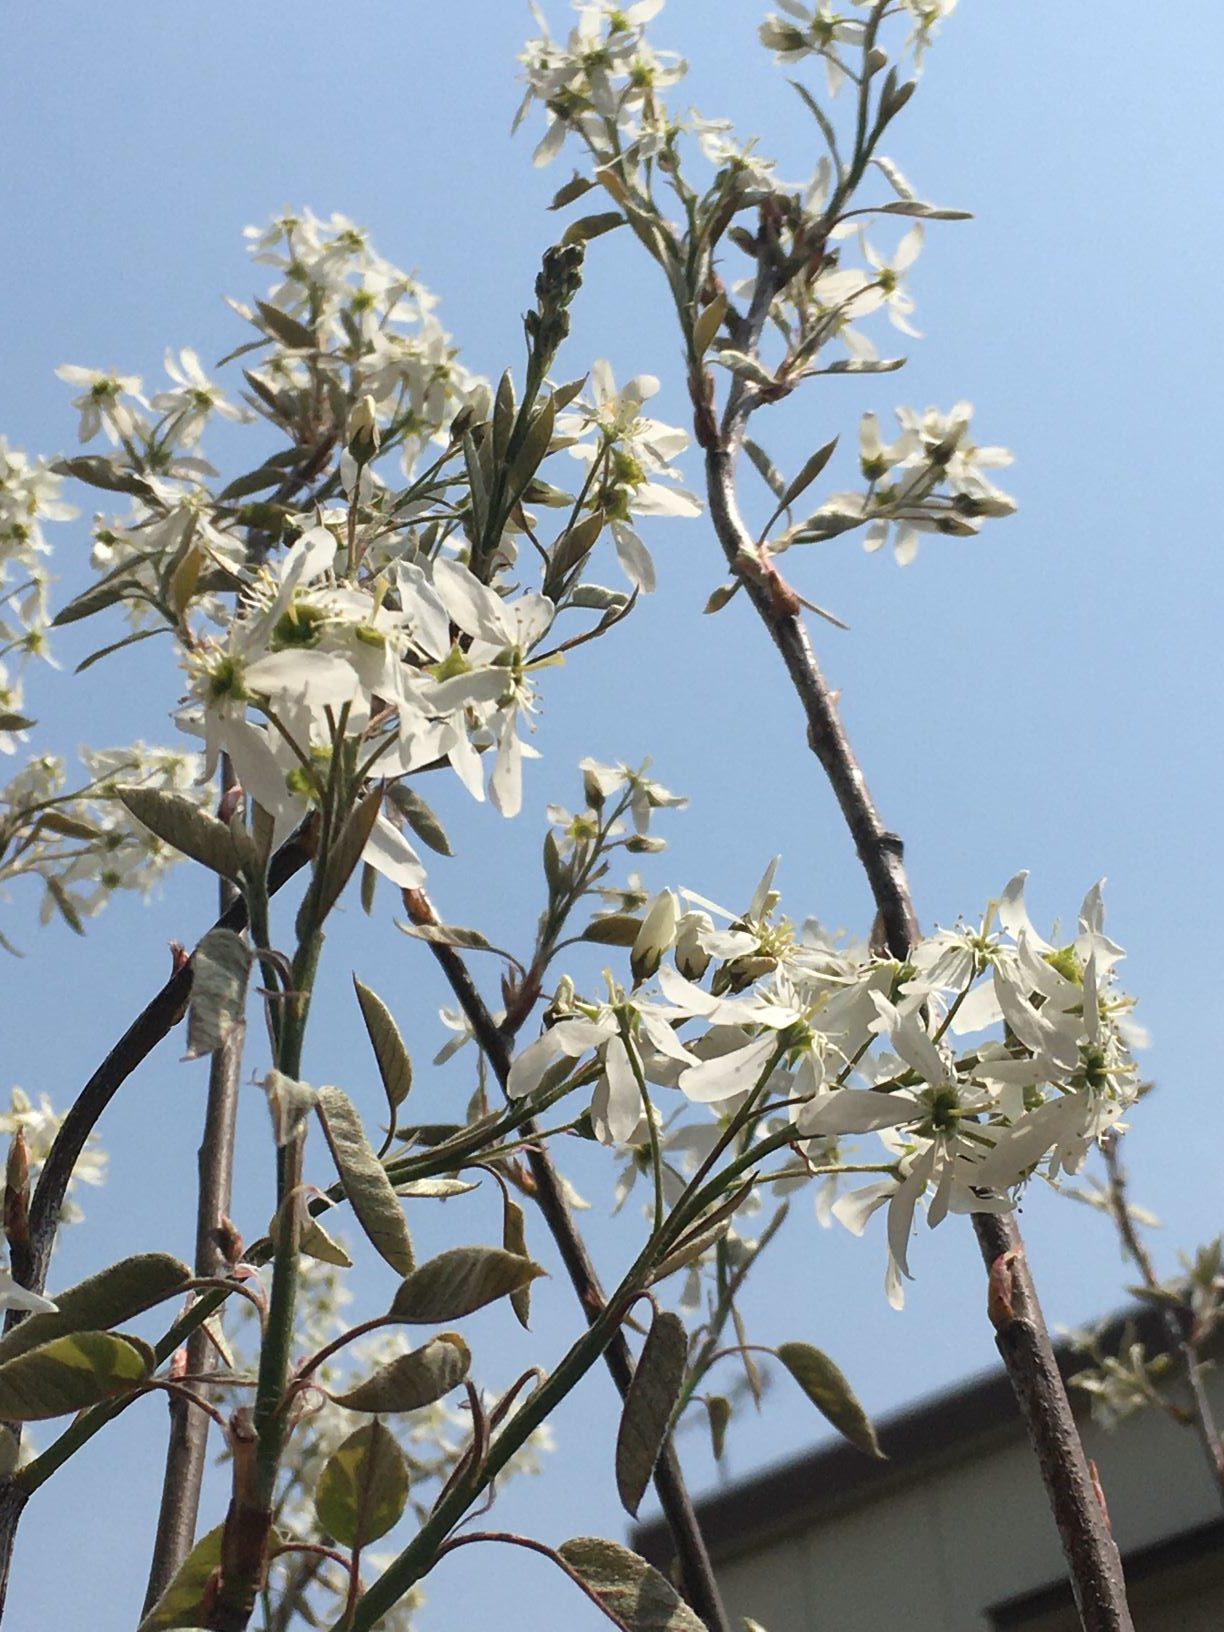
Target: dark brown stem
<point>696,1572</point>
<point>159,1016</point>
<point>1201,1415</point>
<point>187,1449</point>
<point>1022,1338</point>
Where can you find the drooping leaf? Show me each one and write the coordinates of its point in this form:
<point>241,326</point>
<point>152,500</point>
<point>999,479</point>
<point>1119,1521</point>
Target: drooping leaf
<point>412,1380</point>
<point>391,1056</point>
<point>113,1295</point>
<point>313,1239</point>
<point>290,1103</point>
<point>514,1239</point>
<point>458,1281</point>
<point>71,827</point>
<point>436,1189</point>
<point>649,1406</point>
<point>117,646</point>
<point>420,817</point>
<point>630,1590</point>
<point>829,1391</point>
<point>94,599</point>
<point>69,1373</point>
<point>220,969</point>
<point>365,1180</point>
<point>188,829</point>
<point>64,903</point>
<point>363,1488</point>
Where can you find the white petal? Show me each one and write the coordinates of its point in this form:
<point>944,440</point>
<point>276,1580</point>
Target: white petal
<point>389,853</point>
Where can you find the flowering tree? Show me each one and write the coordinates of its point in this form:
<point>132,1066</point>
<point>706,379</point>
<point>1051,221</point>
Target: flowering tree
<point>380,596</point>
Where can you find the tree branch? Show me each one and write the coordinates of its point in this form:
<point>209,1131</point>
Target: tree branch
<point>1021,1337</point>
<point>697,1574</point>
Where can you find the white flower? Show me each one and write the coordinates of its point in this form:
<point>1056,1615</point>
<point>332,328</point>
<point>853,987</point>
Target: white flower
<point>101,405</point>
<point>195,398</point>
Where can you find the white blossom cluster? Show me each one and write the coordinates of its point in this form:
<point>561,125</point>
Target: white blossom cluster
<point>80,842</point>
<point>990,1055</point>
<point>29,496</point>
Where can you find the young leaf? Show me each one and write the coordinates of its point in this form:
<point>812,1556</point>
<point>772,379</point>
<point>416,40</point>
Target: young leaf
<point>613,929</point>
<point>458,1281</point>
<point>718,1409</point>
<point>184,1601</point>
<point>412,1380</point>
<point>113,1295</point>
<point>587,227</point>
<point>649,1406</point>
<point>286,329</point>
<point>573,189</point>
<point>64,903</point>
<point>345,853</point>
<point>514,1239</point>
<point>708,324</point>
<point>392,1058</point>
<point>436,1189</point>
<point>69,1373</point>
<point>365,1180</point>
<point>363,1488</point>
<point>420,817</point>
<point>449,935</point>
<point>630,1591</point>
<point>188,829</point>
<point>99,471</point>
<point>829,1391</point>
<point>219,972</point>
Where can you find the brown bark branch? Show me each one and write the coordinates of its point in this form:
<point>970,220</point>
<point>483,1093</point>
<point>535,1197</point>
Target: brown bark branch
<point>1022,1339</point>
<point>159,1016</point>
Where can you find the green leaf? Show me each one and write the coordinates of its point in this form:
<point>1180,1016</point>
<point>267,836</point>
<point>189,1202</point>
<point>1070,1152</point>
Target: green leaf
<point>253,482</point>
<point>420,817</point>
<point>629,1590</point>
<point>514,1239</point>
<point>290,1103</point>
<point>188,829</point>
<point>708,324</point>
<point>436,1189</point>
<point>363,1488</point>
<point>724,593</point>
<point>286,329</point>
<point>15,722</point>
<point>765,468</point>
<point>744,366</point>
<point>504,412</point>
<point>811,469</point>
<point>718,1409</point>
<point>183,1602</point>
<point>113,1295</point>
<point>592,226</point>
<point>219,972</point>
<point>99,471</point>
<point>862,365</point>
<point>927,212</point>
<point>570,551</point>
<point>458,1281</point>
<point>531,454</point>
<point>829,1391</point>
<point>64,902</point>
<point>613,929</point>
<point>393,1059</point>
<point>573,189</point>
<point>365,1180</point>
<point>313,1240</point>
<point>649,1407</point>
<point>70,827</point>
<point>344,854</point>
<point>69,1373</point>
<point>412,1380</point>
<point>449,935</point>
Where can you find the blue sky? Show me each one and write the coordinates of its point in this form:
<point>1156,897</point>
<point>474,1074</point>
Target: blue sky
<point>1044,697</point>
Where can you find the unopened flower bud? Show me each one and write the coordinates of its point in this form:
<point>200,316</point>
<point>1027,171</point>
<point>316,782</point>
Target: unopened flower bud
<point>876,60</point>
<point>692,959</point>
<point>17,1192</point>
<point>645,844</point>
<point>363,434</point>
<point>655,937</point>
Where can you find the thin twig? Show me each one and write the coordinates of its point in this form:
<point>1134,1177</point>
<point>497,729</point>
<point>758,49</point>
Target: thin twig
<point>1202,1416</point>
<point>187,1448</point>
<point>696,1572</point>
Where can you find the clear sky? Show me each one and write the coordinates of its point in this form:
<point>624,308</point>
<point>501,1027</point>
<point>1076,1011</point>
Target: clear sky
<point>1044,697</point>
